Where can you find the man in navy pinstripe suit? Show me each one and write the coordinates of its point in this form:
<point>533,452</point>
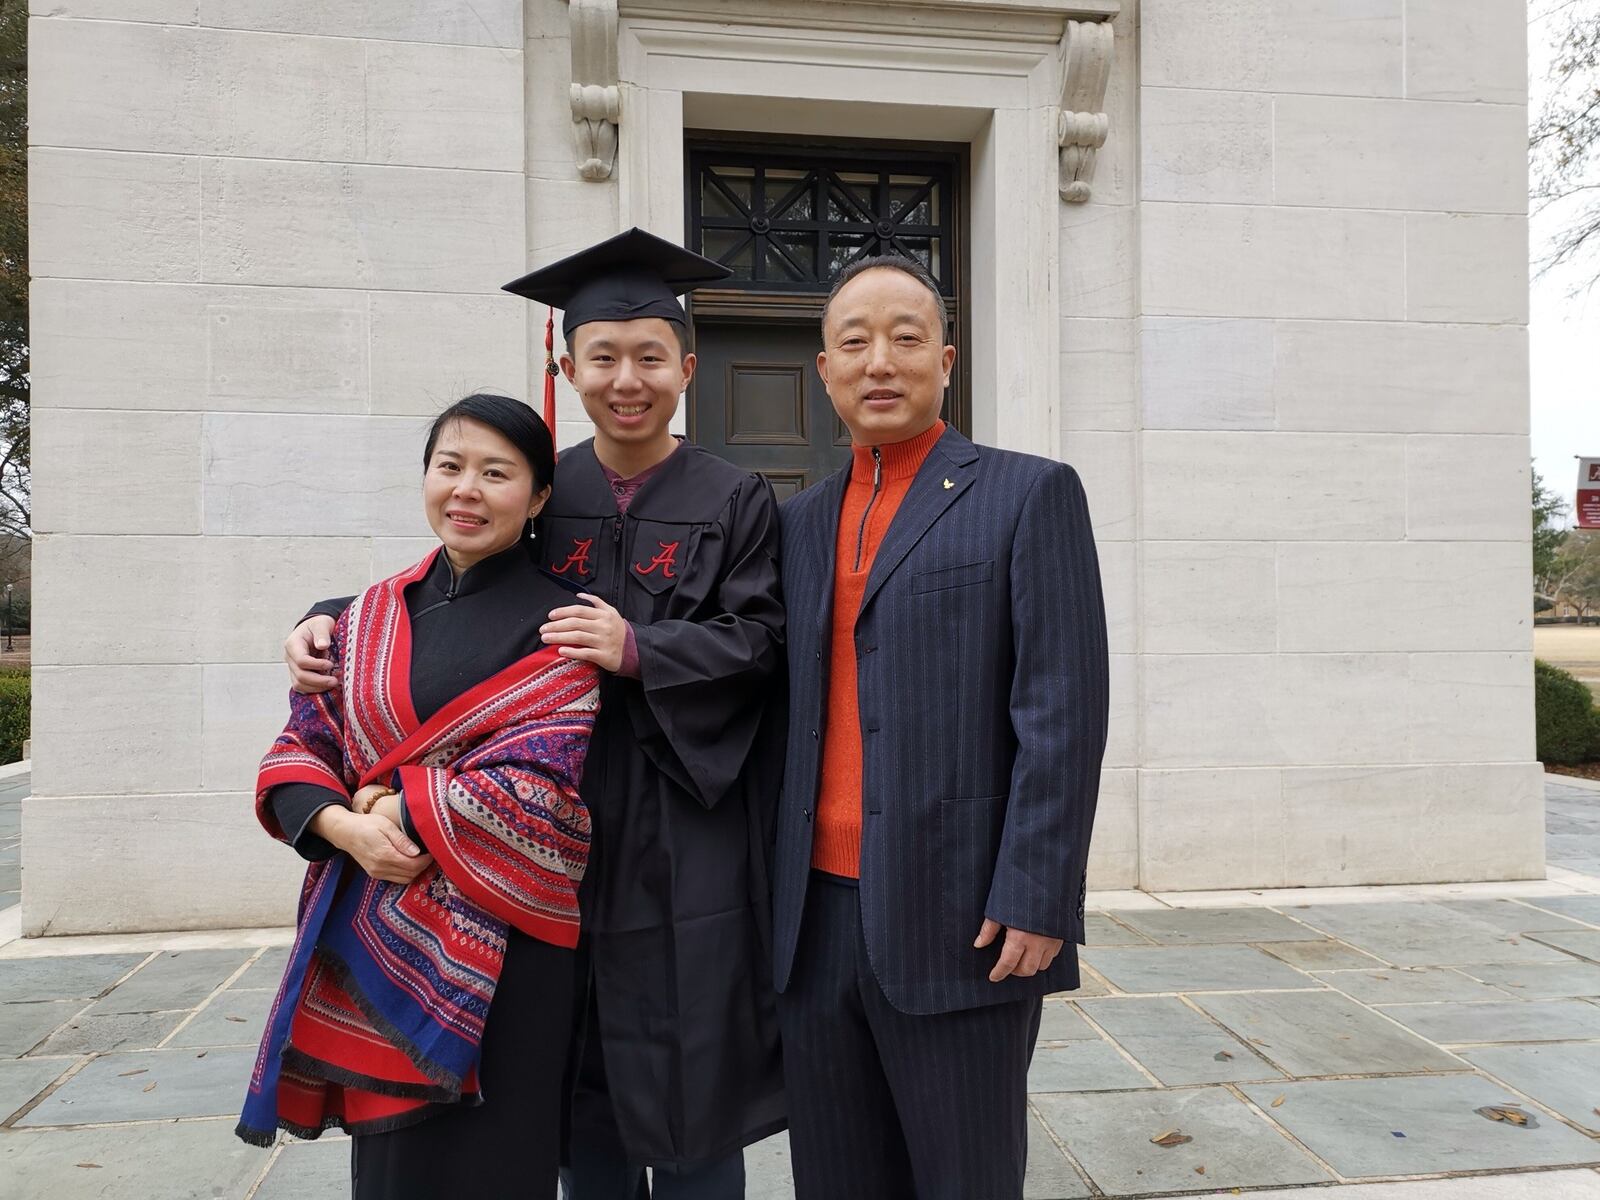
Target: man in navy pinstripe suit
<point>948,706</point>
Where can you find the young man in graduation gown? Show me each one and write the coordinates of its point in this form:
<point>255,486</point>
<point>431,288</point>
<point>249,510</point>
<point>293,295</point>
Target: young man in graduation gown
<point>948,709</point>
<point>675,551</point>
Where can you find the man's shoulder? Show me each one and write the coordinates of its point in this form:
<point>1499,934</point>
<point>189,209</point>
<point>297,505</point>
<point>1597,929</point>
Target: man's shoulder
<point>1018,469</point>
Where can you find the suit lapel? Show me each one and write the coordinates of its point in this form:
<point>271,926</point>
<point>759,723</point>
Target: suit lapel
<point>823,549</point>
<point>944,475</point>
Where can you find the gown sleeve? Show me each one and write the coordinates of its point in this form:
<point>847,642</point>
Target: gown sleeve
<point>328,608</point>
<point>305,769</point>
<point>705,681</point>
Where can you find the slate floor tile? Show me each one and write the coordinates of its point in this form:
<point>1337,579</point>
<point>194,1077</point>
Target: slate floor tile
<point>1564,1076</point>
<point>1050,1176</point>
<point>174,980</point>
<point>1060,1022</point>
<point>1543,981</point>
<point>266,971</point>
<point>1580,908</point>
<point>1324,955</point>
<point>1082,1067</point>
<point>1420,934</point>
<point>192,1160</point>
<point>1584,943</point>
<point>102,1035</point>
<point>768,1175</point>
<point>186,1085</point>
<point>1505,1021</point>
<point>1351,1124</point>
<point>1576,1184</point>
<point>307,1170</point>
<point>234,1018</point>
<point>24,1078</point>
<point>1194,969</point>
<point>1106,929</point>
<point>23,1026</point>
<point>1110,1137</point>
<point>64,977</point>
<point>1176,1044</point>
<point>1186,926</point>
<point>1409,985</point>
<point>1324,1033</point>
<point>1088,985</point>
<point>1509,916</point>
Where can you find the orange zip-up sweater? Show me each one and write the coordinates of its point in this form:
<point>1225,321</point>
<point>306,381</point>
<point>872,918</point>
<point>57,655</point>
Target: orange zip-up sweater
<point>880,477</point>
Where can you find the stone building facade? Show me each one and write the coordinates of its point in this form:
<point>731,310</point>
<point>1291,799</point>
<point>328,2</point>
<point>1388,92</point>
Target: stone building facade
<point>1257,268</point>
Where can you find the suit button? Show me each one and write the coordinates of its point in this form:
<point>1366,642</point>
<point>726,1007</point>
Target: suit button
<point>813,733</point>
<point>819,655</point>
<point>806,813</point>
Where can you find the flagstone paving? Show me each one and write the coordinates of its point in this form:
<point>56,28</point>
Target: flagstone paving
<point>1564,1076</point>
<point>1289,1044</point>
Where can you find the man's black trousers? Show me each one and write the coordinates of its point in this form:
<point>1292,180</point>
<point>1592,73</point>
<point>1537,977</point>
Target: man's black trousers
<point>884,1105</point>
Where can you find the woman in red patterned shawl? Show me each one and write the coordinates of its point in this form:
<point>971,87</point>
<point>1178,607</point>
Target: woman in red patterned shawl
<point>427,1004</point>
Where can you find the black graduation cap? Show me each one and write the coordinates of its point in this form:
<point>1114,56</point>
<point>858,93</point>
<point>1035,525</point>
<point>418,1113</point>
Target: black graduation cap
<point>624,278</point>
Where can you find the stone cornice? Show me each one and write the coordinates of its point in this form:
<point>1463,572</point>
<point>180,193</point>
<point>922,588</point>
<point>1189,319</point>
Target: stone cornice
<point>964,30</point>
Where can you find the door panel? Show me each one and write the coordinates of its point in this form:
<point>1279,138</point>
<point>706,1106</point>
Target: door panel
<point>758,401</point>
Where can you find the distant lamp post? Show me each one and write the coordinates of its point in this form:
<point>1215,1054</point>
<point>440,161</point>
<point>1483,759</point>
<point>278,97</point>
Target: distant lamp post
<point>9,646</point>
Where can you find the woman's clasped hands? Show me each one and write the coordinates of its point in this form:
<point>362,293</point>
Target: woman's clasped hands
<point>370,832</point>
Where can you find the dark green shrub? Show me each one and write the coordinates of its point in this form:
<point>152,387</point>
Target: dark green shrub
<point>15,694</point>
<point>1568,726</point>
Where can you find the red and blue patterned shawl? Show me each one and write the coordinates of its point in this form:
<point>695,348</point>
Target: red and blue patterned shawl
<point>380,1014</point>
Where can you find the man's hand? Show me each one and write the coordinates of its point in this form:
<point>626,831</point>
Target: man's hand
<point>1023,954</point>
<point>379,846</point>
<point>305,650</point>
<point>598,634</point>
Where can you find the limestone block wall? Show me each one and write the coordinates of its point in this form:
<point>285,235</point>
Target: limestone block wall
<point>1332,452</point>
<point>1099,274</point>
<point>267,243</point>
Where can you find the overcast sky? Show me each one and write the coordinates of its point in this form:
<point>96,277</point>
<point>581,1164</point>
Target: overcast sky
<point>1564,336</point>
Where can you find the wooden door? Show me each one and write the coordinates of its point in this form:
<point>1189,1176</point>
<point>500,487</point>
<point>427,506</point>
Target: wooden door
<point>786,218</point>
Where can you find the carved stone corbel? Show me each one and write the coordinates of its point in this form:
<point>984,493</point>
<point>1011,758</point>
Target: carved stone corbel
<point>1081,128</point>
<point>596,99</point>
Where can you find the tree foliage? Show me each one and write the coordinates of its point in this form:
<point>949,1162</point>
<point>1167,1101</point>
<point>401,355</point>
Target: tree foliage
<point>15,474</point>
<point>1565,140</point>
<point>1575,571</point>
<point>1548,509</point>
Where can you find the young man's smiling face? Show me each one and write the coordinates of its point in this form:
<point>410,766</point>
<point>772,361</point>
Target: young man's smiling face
<point>630,375</point>
<point>884,359</point>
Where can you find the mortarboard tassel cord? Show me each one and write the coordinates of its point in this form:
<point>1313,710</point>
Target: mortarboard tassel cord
<point>550,370</point>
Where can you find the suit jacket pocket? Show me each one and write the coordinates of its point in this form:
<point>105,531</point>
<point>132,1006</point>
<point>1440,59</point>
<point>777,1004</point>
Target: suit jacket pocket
<point>969,844</point>
<point>953,577</point>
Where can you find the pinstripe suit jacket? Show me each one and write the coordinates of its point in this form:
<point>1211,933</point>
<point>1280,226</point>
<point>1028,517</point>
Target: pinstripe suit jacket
<point>981,659</point>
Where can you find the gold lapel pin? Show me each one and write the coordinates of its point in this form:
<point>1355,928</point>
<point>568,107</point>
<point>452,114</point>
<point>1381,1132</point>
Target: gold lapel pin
<point>948,485</point>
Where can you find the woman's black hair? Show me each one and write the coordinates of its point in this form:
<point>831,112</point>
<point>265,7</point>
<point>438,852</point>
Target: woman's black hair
<point>512,420</point>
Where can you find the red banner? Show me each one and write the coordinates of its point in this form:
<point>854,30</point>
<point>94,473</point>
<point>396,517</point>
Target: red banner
<point>1588,508</point>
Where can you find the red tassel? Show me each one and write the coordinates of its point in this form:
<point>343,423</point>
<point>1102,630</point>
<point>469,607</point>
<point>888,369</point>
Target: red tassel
<point>550,370</point>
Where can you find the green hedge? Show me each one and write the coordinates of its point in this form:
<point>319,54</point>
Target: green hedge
<point>1565,716</point>
<point>15,693</point>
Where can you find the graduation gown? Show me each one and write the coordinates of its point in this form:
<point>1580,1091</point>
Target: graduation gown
<point>676,908</point>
